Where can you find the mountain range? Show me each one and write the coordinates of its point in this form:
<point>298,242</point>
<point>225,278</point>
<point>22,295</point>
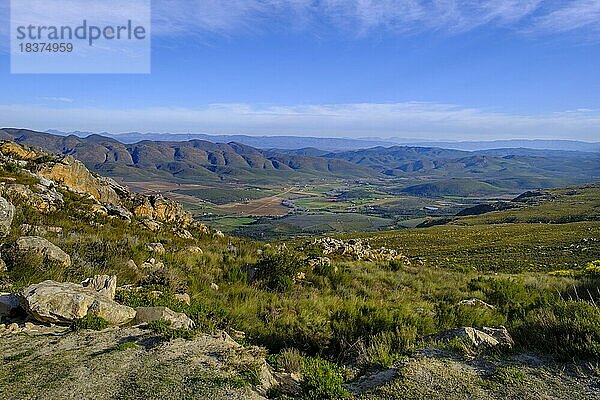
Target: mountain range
<point>341,144</point>
<point>205,161</point>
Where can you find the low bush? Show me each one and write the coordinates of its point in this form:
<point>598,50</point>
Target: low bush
<point>277,271</point>
<point>91,322</point>
<point>163,328</point>
<point>567,329</point>
<point>322,380</point>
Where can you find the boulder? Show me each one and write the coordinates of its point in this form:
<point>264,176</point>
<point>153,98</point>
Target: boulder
<point>103,284</point>
<point>55,302</point>
<point>194,250</point>
<point>76,177</point>
<point>501,335</point>
<point>118,211</point>
<point>7,214</point>
<point>43,200</point>
<point>19,152</point>
<point>475,302</point>
<point>48,250</point>
<point>184,298</point>
<point>156,248</point>
<point>478,337</point>
<point>149,314</point>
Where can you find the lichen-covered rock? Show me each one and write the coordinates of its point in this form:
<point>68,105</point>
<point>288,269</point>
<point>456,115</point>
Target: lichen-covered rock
<point>103,284</point>
<point>158,208</point>
<point>43,247</point>
<point>7,214</point>
<point>19,152</point>
<point>157,248</point>
<point>75,176</point>
<point>57,302</point>
<point>478,337</point>
<point>149,314</point>
<point>44,200</point>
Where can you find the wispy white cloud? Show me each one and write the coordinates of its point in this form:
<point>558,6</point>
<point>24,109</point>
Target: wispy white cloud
<point>408,119</point>
<point>354,17</point>
<point>574,15</point>
<point>360,17</point>
<point>58,99</point>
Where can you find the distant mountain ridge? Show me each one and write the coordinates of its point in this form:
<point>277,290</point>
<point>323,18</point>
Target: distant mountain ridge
<point>332,144</point>
<point>201,161</point>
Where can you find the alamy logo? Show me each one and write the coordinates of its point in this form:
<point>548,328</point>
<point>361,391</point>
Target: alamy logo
<point>80,36</point>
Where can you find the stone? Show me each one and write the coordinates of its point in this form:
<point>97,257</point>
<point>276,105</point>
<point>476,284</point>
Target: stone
<point>7,214</point>
<point>60,303</point>
<point>103,284</point>
<point>475,302</point>
<point>99,209</point>
<point>194,250</point>
<point>44,200</point>
<point>184,298</point>
<point>158,208</point>
<point>9,305</point>
<point>13,328</point>
<point>501,335</point>
<point>152,225</point>
<point>48,250</point>
<point>475,337</point>
<point>76,177</point>
<point>118,211</point>
<point>35,230</point>
<point>183,233</point>
<point>14,150</point>
<point>149,314</point>
<point>157,248</point>
<point>152,263</point>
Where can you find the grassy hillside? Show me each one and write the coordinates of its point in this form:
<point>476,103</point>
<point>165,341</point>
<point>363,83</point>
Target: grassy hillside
<point>364,318</point>
<point>452,187</point>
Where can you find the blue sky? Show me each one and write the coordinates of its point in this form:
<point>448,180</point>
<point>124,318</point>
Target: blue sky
<point>441,70</point>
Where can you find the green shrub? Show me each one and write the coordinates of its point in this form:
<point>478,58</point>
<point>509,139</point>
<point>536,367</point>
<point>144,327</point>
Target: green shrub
<point>322,380</point>
<point>383,349</point>
<point>567,329</point>
<point>126,346</point>
<point>288,360</point>
<point>454,315</point>
<point>91,322</point>
<point>354,323</point>
<point>163,328</point>
<point>277,271</point>
<point>508,375</point>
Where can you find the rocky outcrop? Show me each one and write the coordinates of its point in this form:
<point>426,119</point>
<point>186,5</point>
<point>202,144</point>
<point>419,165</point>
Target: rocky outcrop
<point>149,314</point>
<point>103,284</point>
<point>157,248</point>
<point>41,246</point>
<point>478,337</point>
<point>74,175</point>
<point>357,250</point>
<point>158,208</point>
<point>18,152</point>
<point>60,303</point>
<point>44,199</point>
<point>7,214</point>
